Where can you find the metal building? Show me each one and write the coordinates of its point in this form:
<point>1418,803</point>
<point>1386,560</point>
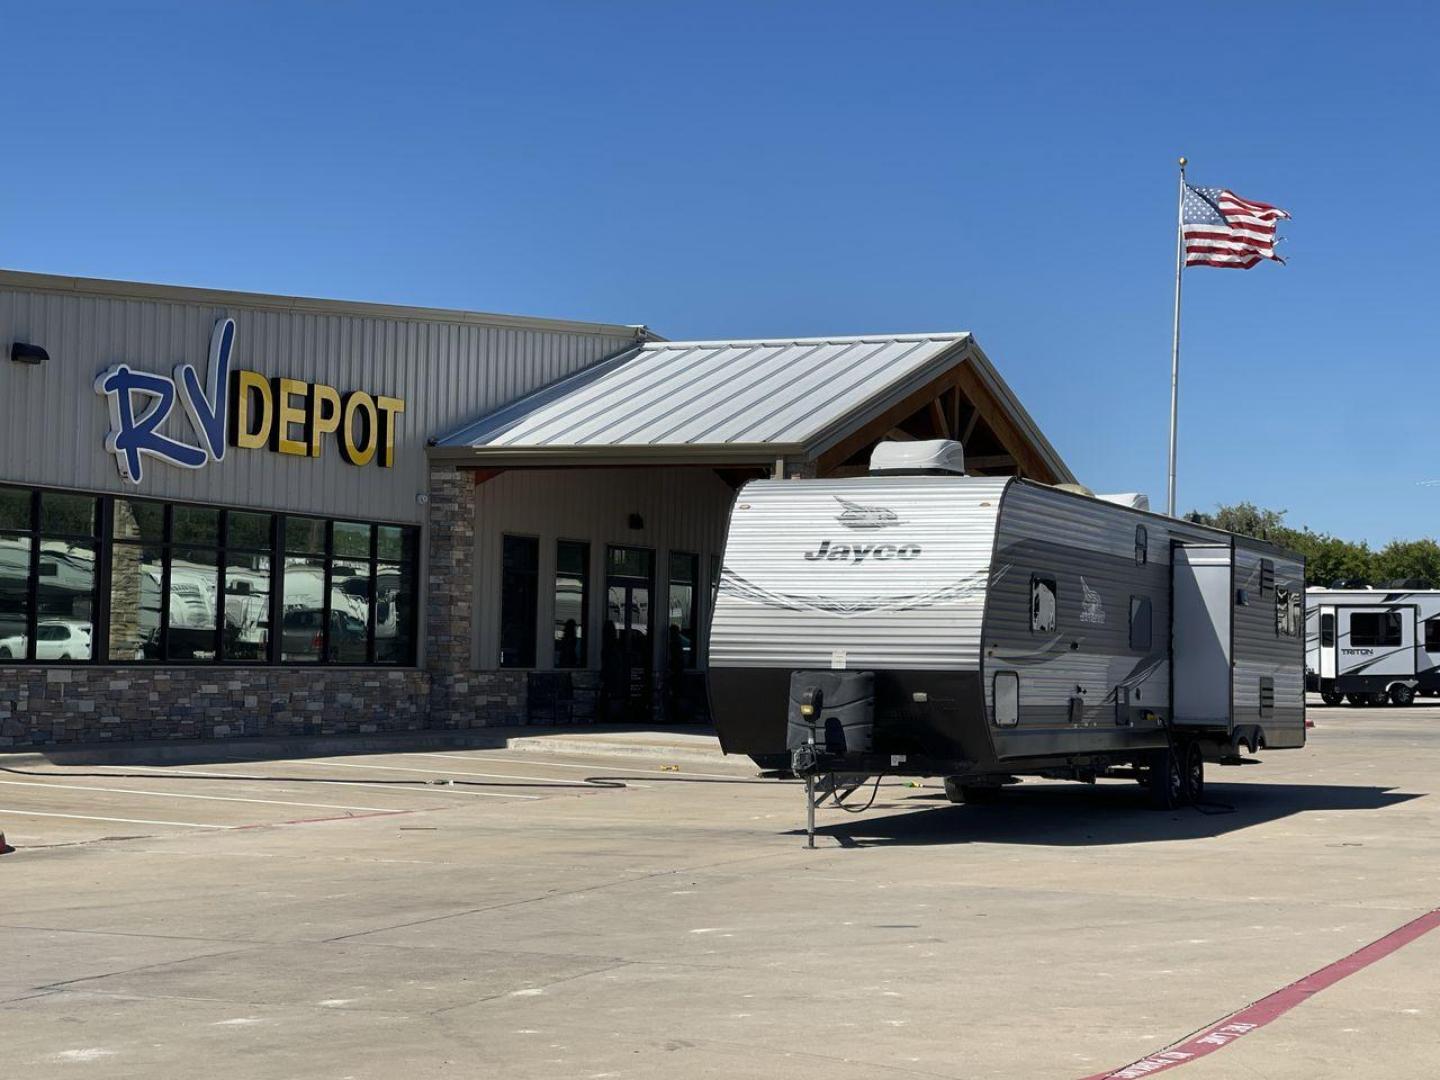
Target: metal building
<point>229,514</point>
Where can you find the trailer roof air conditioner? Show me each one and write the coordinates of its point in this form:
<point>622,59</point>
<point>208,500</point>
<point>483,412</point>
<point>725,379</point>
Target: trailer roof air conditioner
<point>929,456</point>
<point>1133,499</point>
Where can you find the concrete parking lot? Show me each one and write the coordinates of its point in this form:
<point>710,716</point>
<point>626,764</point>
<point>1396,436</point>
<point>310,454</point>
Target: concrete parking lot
<point>353,916</point>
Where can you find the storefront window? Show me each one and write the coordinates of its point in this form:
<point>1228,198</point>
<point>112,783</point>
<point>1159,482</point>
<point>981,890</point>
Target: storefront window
<point>194,584</point>
<point>519,598</point>
<point>572,602</point>
<point>684,613</point>
<point>64,578</point>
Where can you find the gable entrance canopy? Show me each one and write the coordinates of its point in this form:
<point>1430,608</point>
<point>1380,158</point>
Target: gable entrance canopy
<point>817,404</point>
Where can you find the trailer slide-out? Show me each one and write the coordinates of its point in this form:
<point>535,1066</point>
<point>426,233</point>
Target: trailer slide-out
<point>921,622</point>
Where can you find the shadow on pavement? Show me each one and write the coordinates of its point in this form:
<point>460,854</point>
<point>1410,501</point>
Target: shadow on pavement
<point>1070,815</point>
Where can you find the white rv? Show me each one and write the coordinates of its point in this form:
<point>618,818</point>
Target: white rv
<point>1369,646</point>
<point>997,627</point>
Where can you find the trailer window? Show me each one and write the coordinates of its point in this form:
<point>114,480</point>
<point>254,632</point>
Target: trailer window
<point>1140,623</point>
<point>1289,615</point>
<point>1375,629</point>
<point>1142,545</point>
<point>1432,635</point>
<point>1043,603</point>
<point>1007,699</point>
<point>1327,631</point>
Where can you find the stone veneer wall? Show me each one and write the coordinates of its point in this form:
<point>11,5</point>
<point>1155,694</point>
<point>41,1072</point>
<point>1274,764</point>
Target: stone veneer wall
<point>42,706</point>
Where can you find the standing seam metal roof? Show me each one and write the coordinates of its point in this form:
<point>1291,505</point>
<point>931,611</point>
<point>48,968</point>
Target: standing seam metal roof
<point>711,393</point>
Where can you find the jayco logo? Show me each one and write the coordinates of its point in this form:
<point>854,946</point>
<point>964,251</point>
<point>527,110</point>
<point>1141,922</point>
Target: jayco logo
<point>858,553</point>
<point>242,409</point>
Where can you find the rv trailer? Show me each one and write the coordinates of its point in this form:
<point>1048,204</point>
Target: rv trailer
<point>921,622</point>
<point>1369,646</point>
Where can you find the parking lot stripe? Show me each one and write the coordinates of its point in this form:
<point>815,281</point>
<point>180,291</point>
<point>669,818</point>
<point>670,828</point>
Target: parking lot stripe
<point>543,780</point>
<point>1259,1013</point>
<point>591,768</point>
<point>187,795</point>
<point>119,820</point>
<point>371,785</point>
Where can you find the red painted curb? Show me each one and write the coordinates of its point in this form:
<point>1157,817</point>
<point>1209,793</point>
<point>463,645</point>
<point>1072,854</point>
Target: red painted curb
<point>1270,1008</point>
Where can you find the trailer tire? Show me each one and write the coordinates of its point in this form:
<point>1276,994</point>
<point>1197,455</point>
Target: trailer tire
<point>1402,695</point>
<point>1331,697</point>
<point>1165,779</point>
<point>1358,699</point>
<point>1194,774</point>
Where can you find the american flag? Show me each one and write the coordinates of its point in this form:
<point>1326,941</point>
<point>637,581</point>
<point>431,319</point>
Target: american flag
<point>1222,229</point>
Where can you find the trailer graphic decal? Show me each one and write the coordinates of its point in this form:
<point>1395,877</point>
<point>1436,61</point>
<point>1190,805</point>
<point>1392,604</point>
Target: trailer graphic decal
<point>855,516</point>
<point>968,590</point>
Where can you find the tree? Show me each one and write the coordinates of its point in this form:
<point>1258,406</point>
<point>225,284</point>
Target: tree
<point>1408,559</point>
<point>1327,558</point>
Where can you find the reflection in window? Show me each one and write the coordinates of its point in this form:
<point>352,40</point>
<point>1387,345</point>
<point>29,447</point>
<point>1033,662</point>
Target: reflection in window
<point>135,584</point>
<point>684,613</point>
<point>349,609</point>
<point>572,577</point>
<point>394,613</point>
<point>193,604</point>
<point>1140,620</point>
<point>195,584</point>
<point>1042,605</point>
<point>302,619</point>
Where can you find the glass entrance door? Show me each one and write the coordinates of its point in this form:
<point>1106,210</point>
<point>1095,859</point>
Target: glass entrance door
<point>627,652</point>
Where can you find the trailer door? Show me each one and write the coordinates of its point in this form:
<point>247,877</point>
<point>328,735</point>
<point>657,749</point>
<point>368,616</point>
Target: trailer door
<point>1375,640</point>
<point>1200,618</point>
<point>1326,667</point>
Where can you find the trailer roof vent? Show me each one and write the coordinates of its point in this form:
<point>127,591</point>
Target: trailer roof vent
<point>1133,499</point>
<point>926,457</point>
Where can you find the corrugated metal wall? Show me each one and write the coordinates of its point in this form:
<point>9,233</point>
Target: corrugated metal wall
<point>53,424</point>
<point>683,509</point>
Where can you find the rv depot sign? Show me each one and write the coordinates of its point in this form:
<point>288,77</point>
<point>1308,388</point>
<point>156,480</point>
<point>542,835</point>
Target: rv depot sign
<point>239,408</point>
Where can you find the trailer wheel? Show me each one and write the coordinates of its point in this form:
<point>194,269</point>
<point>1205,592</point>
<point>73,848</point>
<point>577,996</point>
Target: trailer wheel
<point>1194,774</point>
<point>1331,697</point>
<point>1402,695</point>
<point>1165,779</point>
<point>1358,699</point>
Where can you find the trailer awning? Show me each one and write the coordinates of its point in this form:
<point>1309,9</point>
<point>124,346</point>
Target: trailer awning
<point>751,402</point>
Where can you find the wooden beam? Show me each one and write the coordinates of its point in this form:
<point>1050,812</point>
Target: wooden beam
<point>877,428</point>
<point>937,416</point>
<point>1027,458</point>
<point>899,435</point>
<point>970,423</point>
<point>988,461</point>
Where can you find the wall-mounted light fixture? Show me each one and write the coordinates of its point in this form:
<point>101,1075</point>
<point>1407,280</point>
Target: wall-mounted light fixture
<point>636,521</point>
<point>24,353</point>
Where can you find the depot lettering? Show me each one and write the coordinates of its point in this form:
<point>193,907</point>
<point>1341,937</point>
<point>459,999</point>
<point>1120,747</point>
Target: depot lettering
<point>240,408</point>
<point>290,416</point>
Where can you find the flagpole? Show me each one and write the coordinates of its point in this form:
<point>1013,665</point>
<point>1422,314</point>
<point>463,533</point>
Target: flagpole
<point>1175,341</point>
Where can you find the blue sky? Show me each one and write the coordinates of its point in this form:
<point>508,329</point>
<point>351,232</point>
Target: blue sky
<point>739,170</point>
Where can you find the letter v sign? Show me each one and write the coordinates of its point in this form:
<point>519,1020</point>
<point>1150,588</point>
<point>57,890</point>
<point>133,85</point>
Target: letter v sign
<point>210,412</point>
